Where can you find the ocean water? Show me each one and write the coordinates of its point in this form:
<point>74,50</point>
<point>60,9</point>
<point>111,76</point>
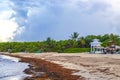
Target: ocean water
<point>11,68</point>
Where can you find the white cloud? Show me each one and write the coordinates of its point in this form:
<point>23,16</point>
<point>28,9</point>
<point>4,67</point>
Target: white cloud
<point>114,13</point>
<point>111,12</point>
<point>115,5</point>
<point>7,26</point>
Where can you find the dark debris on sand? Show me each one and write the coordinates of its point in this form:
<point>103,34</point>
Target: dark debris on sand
<point>44,70</point>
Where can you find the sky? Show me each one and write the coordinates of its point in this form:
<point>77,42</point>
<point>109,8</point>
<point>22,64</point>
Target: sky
<point>35,20</point>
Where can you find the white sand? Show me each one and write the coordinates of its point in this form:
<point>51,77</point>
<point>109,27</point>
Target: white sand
<point>90,66</point>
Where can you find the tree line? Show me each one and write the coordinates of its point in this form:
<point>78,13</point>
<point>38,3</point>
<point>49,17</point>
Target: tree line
<point>51,45</point>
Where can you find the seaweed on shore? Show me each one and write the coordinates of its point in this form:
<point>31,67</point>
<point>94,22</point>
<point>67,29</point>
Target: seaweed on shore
<point>41,69</point>
<point>45,70</point>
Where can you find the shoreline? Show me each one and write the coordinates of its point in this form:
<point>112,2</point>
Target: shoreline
<point>11,68</point>
<point>40,69</point>
<point>80,66</point>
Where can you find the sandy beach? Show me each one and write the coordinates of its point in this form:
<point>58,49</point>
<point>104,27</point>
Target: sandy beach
<point>77,66</point>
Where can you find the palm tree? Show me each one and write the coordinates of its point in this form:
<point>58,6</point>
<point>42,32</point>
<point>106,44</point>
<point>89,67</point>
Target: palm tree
<point>82,42</point>
<point>74,36</point>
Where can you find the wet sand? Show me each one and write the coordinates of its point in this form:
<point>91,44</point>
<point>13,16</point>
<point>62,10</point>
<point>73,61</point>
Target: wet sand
<point>76,66</point>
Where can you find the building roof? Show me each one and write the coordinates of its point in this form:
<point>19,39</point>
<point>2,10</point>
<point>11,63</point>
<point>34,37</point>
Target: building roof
<point>95,42</point>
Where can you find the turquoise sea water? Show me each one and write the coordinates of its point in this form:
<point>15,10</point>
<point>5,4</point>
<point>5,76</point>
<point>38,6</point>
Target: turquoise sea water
<point>11,68</point>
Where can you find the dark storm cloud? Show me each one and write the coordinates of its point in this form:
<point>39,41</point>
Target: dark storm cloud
<point>40,19</point>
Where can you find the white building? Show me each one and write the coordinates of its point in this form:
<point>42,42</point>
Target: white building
<point>96,46</point>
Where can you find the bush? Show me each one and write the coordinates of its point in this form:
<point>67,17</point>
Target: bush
<point>76,50</point>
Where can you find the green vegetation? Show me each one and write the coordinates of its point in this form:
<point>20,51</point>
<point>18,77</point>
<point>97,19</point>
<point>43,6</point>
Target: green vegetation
<point>74,44</point>
<point>76,50</point>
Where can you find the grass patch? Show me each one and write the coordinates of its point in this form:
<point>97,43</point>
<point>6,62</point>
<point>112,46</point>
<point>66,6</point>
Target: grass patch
<point>76,50</point>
